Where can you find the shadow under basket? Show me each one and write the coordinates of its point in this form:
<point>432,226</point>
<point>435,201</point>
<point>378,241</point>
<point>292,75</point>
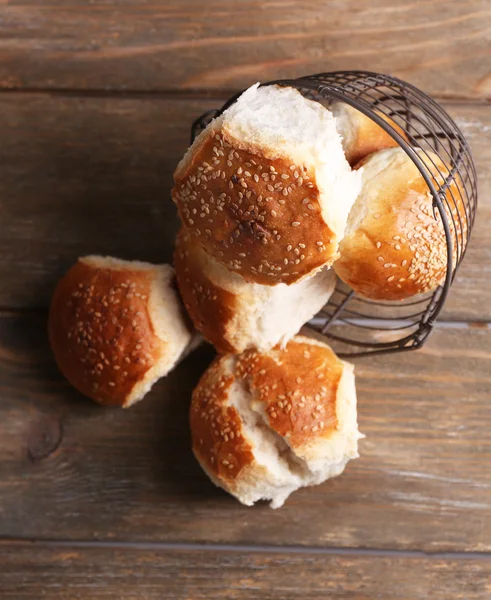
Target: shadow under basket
<point>354,325</point>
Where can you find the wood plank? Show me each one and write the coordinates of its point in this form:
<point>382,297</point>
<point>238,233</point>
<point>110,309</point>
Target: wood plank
<point>93,175</point>
<point>70,469</point>
<point>72,572</point>
<point>440,45</point>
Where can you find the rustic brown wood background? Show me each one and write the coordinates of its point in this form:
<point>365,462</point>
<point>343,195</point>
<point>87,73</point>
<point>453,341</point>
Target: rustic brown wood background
<point>96,99</point>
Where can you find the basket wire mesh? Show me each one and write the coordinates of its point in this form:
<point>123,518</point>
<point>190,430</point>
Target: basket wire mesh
<point>356,325</point>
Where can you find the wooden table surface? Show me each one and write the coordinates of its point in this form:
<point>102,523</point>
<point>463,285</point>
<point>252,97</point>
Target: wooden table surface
<point>96,100</point>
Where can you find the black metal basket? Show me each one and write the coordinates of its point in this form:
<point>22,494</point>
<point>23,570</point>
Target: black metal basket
<point>356,325</point>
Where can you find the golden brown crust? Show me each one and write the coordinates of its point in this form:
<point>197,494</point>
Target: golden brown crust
<point>367,136</point>
<point>259,217</point>
<point>399,249</point>
<point>210,307</point>
<point>297,387</point>
<point>216,428</point>
<point>101,332</point>
<point>371,138</point>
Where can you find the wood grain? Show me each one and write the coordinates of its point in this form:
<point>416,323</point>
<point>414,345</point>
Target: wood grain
<point>73,470</point>
<point>74,573</point>
<point>93,175</point>
<point>439,45</point>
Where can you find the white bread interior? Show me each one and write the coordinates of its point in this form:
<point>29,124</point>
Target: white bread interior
<point>263,316</point>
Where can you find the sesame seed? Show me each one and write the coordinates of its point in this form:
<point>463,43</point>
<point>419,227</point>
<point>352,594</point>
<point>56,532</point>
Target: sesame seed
<point>387,265</point>
<point>379,244</point>
<point>390,278</point>
<point>295,223</point>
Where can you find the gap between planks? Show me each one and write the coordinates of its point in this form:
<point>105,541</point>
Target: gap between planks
<point>242,548</point>
<point>190,94</point>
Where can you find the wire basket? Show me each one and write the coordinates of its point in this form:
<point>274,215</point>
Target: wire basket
<point>355,325</point>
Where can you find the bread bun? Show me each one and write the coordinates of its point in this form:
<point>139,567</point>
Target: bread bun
<point>266,189</point>
<point>235,315</point>
<point>394,247</point>
<point>116,327</point>
<point>264,425</point>
<point>360,135</point>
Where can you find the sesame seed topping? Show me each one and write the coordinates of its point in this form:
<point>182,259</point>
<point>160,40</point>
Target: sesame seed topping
<point>295,223</point>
